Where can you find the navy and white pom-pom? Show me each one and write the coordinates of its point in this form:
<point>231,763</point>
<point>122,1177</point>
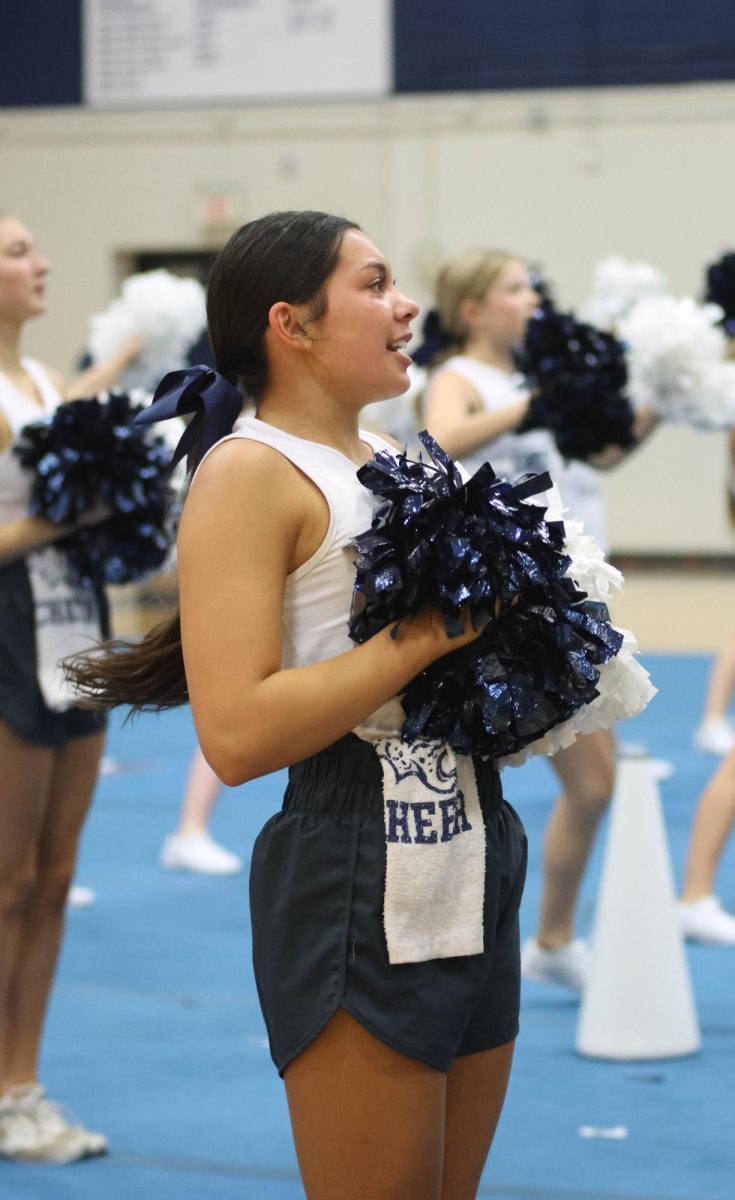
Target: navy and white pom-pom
<point>721,290</point>
<point>578,375</point>
<point>478,546</point>
<point>87,455</point>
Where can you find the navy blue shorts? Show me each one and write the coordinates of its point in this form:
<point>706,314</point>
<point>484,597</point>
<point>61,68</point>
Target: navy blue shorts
<point>316,894</point>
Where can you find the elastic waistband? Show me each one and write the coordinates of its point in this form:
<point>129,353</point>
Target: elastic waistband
<point>345,779</point>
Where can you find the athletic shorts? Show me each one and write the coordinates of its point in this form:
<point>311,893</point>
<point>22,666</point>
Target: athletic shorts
<point>316,893</point>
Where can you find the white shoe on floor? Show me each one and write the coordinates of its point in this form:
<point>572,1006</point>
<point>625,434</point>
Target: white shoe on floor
<point>34,1129</point>
<point>80,896</point>
<point>715,736</point>
<point>18,1134</point>
<point>567,965</point>
<point>198,852</point>
<point>706,921</point>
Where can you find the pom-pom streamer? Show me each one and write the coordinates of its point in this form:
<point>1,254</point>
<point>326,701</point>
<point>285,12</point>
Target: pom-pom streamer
<point>617,286</point>
<point>477,547</point>
<point>87,455</point>
<point>167,312</point>
<point>677,364</point>
<point>578,375</point>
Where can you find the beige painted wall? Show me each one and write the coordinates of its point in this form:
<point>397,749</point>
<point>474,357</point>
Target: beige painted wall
<point>561,177</point>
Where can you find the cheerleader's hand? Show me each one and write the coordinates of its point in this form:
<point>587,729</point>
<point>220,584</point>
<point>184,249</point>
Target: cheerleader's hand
<point>130,349</point>
<point>607,458</point>
<point>94,516</point>
<point>427,629</point>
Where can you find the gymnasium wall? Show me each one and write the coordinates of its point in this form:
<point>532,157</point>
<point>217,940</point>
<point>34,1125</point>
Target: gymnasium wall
<point>563,177</point>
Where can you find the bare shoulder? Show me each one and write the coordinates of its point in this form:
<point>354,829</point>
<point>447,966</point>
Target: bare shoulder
<point>238,479</point>
<point>239,462</point>
<point>451,387</point>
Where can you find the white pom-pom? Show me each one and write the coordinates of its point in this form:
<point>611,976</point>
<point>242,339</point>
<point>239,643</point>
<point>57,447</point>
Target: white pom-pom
<point>624,688</point>
<point>589,568</point>
<point>617,286</point>
<point>676,361</point>
<point>167,312</point>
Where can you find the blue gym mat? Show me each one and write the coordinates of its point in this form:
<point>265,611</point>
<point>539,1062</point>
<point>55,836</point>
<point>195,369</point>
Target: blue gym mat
<point>155,1036</point>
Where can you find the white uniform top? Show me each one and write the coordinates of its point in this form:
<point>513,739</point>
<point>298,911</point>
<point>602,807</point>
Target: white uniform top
<point>19,410</point>
<point>318,594</point>
<point>514,454</point>
<point>65,614</point>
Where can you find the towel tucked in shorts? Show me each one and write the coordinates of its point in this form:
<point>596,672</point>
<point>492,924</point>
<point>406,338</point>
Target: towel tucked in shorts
<point>316,892</point>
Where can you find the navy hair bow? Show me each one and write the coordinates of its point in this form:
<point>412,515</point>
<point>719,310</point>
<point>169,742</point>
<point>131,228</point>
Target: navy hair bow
<point>215,402</point>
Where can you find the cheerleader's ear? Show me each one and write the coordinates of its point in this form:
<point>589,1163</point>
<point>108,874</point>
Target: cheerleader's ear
<point>469,310</point>
<point>285,325</point>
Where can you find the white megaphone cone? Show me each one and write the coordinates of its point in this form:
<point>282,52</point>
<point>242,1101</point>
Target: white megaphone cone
<point>638,1001</point>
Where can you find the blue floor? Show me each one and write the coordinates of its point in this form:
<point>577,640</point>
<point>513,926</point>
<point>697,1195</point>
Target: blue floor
<point>156,1038</point>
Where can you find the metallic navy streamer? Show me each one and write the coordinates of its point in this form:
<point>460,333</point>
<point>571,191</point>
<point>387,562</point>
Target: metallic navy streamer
<point>578,376</point>
<point>476,546</point>
<point>87,454</point>
<point>215,402</point>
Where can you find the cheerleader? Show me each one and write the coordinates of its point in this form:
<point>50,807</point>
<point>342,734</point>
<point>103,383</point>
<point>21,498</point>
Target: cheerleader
<point>50,748</point>
<point>475,405</point>
<point>385,930</point>
<point>702,917</point>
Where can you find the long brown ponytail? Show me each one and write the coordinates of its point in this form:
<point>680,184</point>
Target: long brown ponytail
<point>283,256</point>
<point>147,675</point>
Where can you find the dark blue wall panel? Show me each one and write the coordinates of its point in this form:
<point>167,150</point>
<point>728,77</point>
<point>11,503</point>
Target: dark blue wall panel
<point>444,45</point>
<point>41,49</point>
<point>448,45</point>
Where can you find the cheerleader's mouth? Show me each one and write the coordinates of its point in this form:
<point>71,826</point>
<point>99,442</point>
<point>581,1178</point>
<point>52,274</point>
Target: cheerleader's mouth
<point>398,347</point>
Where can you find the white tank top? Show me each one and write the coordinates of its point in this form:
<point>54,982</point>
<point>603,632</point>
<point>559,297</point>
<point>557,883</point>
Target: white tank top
<point>318,594</point>
<point>19,410</point>
<point>512,454</point>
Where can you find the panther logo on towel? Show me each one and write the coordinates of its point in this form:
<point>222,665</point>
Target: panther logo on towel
<point>434,851</point>
<point>412,775</point>
<point>432,762</point>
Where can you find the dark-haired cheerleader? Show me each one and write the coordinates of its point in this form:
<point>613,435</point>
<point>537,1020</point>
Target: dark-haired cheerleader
<point>384,897</point>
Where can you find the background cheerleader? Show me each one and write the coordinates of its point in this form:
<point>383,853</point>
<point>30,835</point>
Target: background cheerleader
<point>701,914</point>
<point>167,315</point>
<point>476,403</point>
<point>714,733</point>
<point>50,749</point>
